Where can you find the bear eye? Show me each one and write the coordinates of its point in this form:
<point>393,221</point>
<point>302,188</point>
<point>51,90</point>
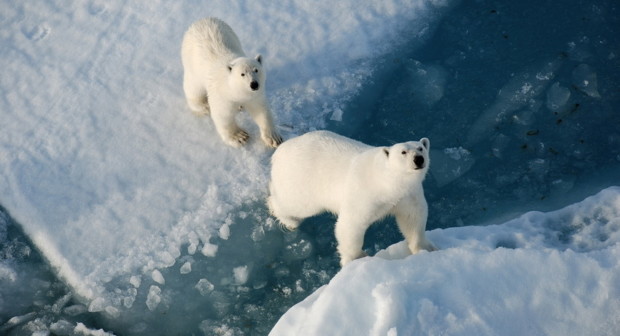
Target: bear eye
<point>242,74</point>
<point>255,70</point>
<point>404,152</point>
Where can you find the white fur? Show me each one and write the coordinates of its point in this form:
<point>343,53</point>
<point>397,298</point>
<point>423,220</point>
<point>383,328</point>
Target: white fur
<point>220,80</point>
<point>322,171</point>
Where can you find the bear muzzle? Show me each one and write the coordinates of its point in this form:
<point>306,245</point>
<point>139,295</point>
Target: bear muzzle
<point>254,85</point>
<point>418,160</point>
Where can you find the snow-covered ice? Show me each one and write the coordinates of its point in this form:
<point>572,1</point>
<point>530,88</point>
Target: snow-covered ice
<point>555,273</point>
<point>122,213</point>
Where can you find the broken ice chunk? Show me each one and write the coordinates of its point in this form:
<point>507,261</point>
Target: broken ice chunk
<point>337,115</point>
<point>299,250</point>
<point>186,268</point>
<point>585,79</point>
<point>157,277</point>
<point>225,231</point>
<point>557,97</point>
<point>153,298</point>
<point>450,164</point>
<point>241,274</point>
<point>209,250</point>
<point>135,281</point>
<point>427,81</point>
<point>204,286</point>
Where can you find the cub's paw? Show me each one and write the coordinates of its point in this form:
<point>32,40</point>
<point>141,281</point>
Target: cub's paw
<point>272,140</point>
<point>238,138</point>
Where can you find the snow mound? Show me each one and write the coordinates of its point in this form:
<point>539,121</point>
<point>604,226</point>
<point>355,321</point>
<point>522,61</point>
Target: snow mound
<point>555,273</point>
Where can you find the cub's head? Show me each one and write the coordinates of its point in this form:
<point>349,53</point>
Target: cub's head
<point>409,157</point>
<point>246,75</point>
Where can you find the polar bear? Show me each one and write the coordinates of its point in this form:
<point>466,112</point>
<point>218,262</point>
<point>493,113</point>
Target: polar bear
<point>322,171</point>
<point>218,79</point>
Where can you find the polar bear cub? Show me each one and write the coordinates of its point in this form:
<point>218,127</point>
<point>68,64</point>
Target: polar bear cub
<point>218,79</point>
<point>322,171</point>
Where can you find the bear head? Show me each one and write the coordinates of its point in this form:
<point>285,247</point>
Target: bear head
<point>246,77</point>
<point>411,157</point>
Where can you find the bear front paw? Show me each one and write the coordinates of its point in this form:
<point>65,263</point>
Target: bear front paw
<point>273,140</point>
<point>238,138</point>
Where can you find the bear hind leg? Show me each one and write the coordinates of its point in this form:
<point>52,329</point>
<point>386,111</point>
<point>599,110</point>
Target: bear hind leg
<point>199,105</point>
<point>289,223</point>
<point>196,97</point>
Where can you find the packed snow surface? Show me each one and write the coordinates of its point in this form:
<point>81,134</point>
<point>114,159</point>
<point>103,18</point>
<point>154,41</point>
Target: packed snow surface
<point>555,273</point>
<point>121,212</point>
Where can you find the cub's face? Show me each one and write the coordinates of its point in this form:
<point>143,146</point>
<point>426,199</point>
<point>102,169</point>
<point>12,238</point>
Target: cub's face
<point>246,75</point>
<point>409,157</point>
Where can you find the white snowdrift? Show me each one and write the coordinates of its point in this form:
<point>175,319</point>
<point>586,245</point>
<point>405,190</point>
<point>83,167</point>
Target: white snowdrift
<point>555,273</point>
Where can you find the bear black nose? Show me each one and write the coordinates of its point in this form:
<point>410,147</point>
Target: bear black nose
<point>254,85</point>
<point>419,161</point>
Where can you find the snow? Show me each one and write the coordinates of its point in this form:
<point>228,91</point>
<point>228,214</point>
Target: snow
<point>555,273</point>
<point>121,210</point>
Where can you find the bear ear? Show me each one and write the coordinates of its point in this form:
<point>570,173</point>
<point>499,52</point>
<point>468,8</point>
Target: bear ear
<point>386,152</point>
<point>259,58</point>
<point>426,143</point>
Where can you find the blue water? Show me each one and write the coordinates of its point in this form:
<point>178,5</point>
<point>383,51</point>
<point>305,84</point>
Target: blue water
<point>484,69</point>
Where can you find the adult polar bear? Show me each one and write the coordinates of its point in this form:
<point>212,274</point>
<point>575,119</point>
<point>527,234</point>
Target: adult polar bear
<point>322,171</point>
<point>218,79</point>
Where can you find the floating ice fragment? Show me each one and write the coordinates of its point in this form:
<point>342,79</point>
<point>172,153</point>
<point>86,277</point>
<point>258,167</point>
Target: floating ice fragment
<point>337,115</point>
<point>225,231</point>
<point>61,303</point>
<point>153,298</point>
<point>158,277</point>
<point>112,311</point>
<point>258,233</point>
<point>81,329</point>
<point>204,286</point>
<point>97,305</point>
<point>193,243</point>
<point>135,281</point>
<point>62,327</point>
<point>518,92</point>
<point>209,250</point>
<point>527,86</point>
<point>191,249</point>
<point>456,153</point>
<point>17,320</point>
<point>450,164</point>
<point>241,274</point>
<point>129,300</point>
<point>585,79</point>
<point>298,286</point>
<point>427,82</point>
<point>186,268</point>
<point>75,310</point>
<point>299,250</point>
<point>557,97</point>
